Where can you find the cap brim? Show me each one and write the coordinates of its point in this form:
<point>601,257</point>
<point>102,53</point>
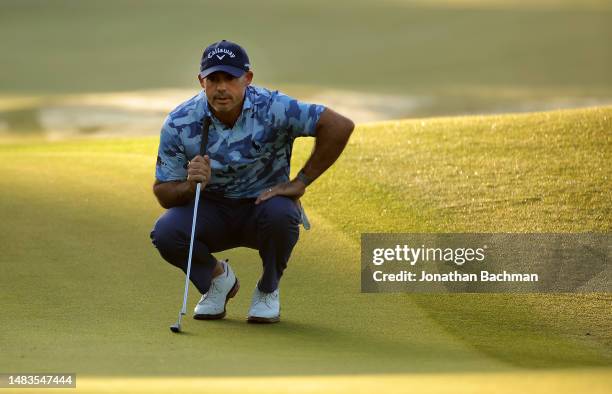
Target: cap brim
<point>235,71</point>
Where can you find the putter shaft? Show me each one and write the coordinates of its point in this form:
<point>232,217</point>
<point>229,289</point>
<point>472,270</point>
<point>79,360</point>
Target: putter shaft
<point>188,273</point>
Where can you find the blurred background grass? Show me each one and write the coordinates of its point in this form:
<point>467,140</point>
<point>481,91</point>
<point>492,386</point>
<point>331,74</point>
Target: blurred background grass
<point>384,46</point>
<point>373,60</point>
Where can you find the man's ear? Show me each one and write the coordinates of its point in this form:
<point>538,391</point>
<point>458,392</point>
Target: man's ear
<point>248,77</point>
<point>202,82</point>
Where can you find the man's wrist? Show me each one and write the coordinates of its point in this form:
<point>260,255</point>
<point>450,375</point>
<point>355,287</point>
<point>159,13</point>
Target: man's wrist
<point>302,177</point>
<point>191,187</point>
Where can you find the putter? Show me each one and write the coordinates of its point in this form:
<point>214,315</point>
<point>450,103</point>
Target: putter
<point>176,328</point>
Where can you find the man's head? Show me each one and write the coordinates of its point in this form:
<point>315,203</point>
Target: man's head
<point>224,75</point>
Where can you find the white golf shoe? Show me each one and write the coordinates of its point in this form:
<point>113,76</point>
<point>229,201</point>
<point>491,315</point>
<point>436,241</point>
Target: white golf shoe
<point>265,307</point>
<point>222,288</point>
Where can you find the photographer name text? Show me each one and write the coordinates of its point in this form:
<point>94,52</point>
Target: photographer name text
<point>412,256</point>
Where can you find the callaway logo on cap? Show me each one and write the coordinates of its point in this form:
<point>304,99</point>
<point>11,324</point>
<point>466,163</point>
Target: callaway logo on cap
<point>224,56</point>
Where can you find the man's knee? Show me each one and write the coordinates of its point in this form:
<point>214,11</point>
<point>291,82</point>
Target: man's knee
<point>164,235</point>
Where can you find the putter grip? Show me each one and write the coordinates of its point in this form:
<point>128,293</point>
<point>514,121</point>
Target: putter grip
<point>205,127</point>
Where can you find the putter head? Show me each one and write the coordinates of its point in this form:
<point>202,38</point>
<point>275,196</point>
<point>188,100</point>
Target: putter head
<point>176,327</point>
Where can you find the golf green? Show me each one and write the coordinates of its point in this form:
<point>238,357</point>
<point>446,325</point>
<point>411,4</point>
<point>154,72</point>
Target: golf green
<point>83,289</point>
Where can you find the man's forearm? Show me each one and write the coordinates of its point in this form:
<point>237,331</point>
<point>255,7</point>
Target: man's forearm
<point>172,194</point>
<point>332,136</point>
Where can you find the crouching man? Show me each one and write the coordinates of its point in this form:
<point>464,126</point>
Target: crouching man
<point>248,199</point>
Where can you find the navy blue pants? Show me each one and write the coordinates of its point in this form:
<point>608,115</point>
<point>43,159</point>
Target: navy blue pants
<point>271,227</point>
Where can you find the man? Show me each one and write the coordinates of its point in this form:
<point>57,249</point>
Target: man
<point>248,199</point>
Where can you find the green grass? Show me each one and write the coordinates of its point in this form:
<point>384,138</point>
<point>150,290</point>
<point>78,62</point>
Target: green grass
<point>83,289</point>
<point>548,172</point>
<point>387,46</point>
<point>393,58</point>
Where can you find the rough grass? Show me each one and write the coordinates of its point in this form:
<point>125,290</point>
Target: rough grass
<point>84,291</point>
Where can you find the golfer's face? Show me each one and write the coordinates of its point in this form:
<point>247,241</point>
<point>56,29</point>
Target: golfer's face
<point>224,91</point>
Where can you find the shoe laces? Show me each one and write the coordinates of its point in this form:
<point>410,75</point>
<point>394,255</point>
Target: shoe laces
<point>212,290</point>
<point>266,298</point>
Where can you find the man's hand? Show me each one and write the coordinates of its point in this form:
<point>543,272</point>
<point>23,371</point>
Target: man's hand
<point>198,170</point>
<point>294,189</point>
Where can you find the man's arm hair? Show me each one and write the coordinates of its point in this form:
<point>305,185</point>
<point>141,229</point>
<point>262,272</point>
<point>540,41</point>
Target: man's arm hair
<point>332,134</point>
<point>174,193</point>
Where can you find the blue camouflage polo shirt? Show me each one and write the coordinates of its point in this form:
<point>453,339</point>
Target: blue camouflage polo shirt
<point>246,159</point>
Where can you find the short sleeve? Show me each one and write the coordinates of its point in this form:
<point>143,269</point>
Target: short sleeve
<point>171,160</point>
<point>298,118</point>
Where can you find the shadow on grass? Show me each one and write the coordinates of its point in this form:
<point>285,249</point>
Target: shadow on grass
<point>528,330</point>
